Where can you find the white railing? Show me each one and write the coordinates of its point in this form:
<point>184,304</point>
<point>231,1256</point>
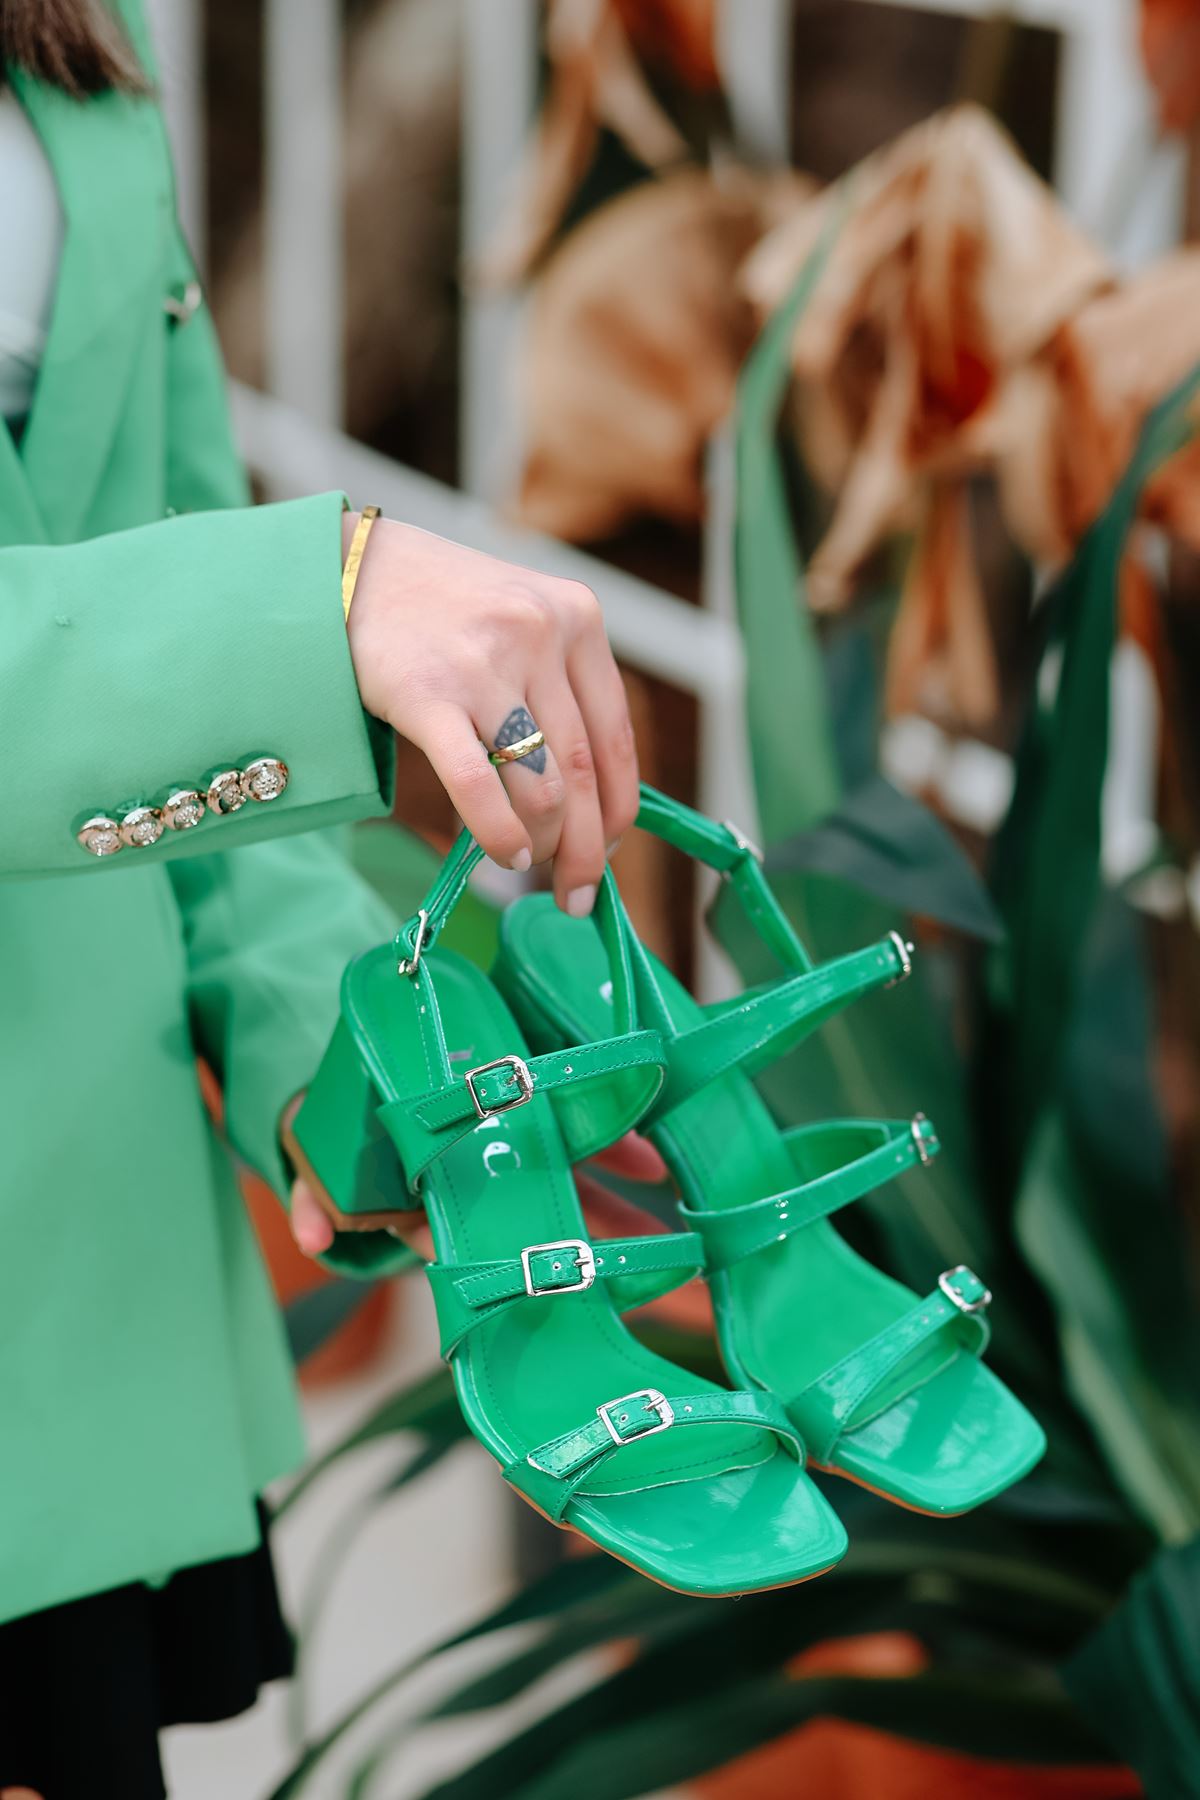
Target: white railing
<point>292,439</point>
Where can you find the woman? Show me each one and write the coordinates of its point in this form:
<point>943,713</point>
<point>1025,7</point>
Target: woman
<point>181,704</point>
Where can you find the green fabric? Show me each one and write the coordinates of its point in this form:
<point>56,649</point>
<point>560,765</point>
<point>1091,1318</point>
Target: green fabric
<point>147,1393</point>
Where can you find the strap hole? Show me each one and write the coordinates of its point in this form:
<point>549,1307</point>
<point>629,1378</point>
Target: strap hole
<point>620,1259</point>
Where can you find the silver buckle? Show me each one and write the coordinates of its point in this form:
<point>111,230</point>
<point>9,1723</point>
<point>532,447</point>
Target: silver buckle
<point>584,1260</point>
<point>521,1076</point>
<point>408,965</point>
<point>656,1401</point>
<point>742,841</point>
<point>923,1151</point>
<point>955,1294</point>
<point>904,951</point>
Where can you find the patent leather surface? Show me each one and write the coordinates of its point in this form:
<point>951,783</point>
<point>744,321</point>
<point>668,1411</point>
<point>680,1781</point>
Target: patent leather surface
<point>539,1354</point>
<point>885,1388</point>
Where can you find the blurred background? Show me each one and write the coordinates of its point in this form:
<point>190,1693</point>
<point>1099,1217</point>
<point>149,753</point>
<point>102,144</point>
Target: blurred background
<point>847,349</point>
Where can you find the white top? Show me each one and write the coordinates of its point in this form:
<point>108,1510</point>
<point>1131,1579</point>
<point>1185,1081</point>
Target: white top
<point>31,220</point>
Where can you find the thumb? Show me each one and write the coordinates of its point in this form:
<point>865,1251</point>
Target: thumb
<point>311,1227</point>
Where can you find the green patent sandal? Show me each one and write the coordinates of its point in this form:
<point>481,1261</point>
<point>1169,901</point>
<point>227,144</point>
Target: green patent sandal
<point>886,1389</point>
<point>701,1489</point>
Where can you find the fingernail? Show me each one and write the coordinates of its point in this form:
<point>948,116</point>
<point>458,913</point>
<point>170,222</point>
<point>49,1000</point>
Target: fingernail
<point>522,861</point>
<point>612,848</point>
<point>580,902</point>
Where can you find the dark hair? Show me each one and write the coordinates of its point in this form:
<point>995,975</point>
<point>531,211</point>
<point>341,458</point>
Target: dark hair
<point>76,45</point>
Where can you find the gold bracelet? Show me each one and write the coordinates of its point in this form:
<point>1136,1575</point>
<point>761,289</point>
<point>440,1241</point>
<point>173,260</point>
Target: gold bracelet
<point>354,556</point>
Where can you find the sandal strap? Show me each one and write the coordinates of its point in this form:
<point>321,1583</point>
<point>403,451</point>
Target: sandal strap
<point>550,1474</point>
<point>419,933</point>
<point>857,1155</point>
<point>423,1127</point>
<point>730,852</point>
<point>636,1271</point>
<point>838,1400</point>
<point>754,1028</point>
<point>631,1062</point>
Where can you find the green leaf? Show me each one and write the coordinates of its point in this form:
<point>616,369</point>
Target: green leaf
<point>641,1610</point>
<point>312,1318</point>
<point>795,770</point>
<point>1047,855</point>
<point>1099,1223</point>
<point>564,1586</point>
<point>429,1407</point>
<point>1137,1680</point>
<point>327,1564</point>
<point>998,1715</point>
<point>893,848</point>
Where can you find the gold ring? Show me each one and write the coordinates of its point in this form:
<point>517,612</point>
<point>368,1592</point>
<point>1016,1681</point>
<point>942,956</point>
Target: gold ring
<point>514,752</point>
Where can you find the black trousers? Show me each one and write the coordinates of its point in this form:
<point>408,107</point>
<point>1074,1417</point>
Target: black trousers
<point>85,1688</point>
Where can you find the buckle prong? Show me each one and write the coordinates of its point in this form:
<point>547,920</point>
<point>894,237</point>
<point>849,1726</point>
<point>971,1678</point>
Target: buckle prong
<point>658,1403</point>
<point>742,841</point>
<point>904,950</point>
<point>408,965</point>
<point>918,1136</point>
<point>954,1293</point>
<point>521,1074</point>
<point>584,1260</point>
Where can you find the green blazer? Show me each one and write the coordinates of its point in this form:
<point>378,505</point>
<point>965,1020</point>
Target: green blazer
<point>153,629</point>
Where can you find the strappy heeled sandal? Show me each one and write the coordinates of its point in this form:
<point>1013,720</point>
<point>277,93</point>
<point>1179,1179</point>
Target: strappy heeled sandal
<point>701,1489</point>
<point>885,1388</point>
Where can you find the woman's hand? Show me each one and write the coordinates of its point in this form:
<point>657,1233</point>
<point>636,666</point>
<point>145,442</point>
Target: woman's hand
<point>314,1217</point>
<point>462,654</point>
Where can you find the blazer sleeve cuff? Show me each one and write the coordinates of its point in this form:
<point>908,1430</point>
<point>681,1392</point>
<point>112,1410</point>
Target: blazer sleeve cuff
<point>202,644</point>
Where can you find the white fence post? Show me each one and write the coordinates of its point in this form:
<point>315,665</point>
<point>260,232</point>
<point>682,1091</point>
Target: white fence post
<point>303,206</point>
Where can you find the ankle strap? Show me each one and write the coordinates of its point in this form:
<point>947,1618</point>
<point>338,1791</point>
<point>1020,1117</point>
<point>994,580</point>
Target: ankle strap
<point>725,848</point>
<point>755,1028</point>
<point>853,1155</point>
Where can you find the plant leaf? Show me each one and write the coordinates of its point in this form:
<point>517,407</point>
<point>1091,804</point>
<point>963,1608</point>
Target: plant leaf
<point>1137,1679</point>
<point>893,848</point>
<point>428,1407</point>
<point>565,1586</point>
<point>1011,1718</point>
<point>795,768</point>
<point>311,1319</point>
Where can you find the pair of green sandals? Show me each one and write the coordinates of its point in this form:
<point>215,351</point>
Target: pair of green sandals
<point>488,1090</point>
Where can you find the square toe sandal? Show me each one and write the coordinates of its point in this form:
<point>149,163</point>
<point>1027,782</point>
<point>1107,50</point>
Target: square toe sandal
<point>701,1489</point>
<point>886,1388</point>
